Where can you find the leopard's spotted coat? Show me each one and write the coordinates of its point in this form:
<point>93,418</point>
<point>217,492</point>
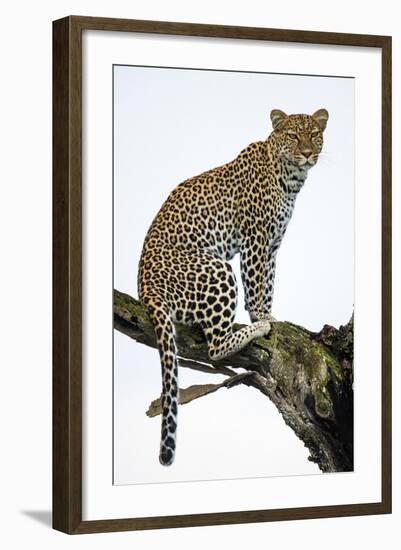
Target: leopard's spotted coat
<point>241,207</point>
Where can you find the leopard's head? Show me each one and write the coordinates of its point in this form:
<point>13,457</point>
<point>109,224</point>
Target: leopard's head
<point>298,138</point>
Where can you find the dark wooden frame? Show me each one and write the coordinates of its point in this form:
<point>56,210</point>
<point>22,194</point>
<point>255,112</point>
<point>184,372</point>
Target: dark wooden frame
<point>67,262</point>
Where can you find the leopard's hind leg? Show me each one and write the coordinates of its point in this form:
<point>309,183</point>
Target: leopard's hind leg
<point>216,308</point>
<point>198,288</point>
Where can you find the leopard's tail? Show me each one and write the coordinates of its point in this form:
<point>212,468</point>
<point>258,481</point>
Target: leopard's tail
<point>165,334</point>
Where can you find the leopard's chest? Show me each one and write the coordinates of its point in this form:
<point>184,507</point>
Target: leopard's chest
<point>280,219</point>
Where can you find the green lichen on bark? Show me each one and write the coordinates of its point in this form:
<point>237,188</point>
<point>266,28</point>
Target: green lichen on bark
<point>301,365</point>
<point>308,376</point>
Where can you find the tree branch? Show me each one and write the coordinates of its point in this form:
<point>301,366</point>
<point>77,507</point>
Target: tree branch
<point>196,365</point>
<point>196,391</point>
<point>308,376</point>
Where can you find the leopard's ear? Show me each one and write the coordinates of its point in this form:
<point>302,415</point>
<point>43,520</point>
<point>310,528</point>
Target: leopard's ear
<point>278,118</point>
<point>321,116</point>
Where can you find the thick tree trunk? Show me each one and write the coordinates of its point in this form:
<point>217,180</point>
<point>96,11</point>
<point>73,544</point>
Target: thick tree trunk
<point>308,376</point>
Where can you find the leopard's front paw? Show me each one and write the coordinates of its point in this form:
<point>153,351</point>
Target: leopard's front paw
<point>263,328</point>
<point>261,316</point>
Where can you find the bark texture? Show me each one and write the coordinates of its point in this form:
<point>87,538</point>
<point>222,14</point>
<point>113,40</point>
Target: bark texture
<point>307,375</point>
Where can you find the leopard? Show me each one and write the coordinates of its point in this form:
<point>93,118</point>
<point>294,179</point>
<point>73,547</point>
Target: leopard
<point>241,207</point>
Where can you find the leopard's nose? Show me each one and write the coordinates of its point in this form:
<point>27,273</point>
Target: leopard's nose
<point>306,153</point>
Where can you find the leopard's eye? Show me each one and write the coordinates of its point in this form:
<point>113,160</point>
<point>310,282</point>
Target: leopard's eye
<point>315,133</point>
<point>291,135</point>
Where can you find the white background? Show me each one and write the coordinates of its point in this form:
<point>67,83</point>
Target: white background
<point>171,124</point>
<point>25,217</point>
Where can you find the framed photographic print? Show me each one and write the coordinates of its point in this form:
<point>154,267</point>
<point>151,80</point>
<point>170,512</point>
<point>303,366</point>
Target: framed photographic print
<point>222,274</point>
